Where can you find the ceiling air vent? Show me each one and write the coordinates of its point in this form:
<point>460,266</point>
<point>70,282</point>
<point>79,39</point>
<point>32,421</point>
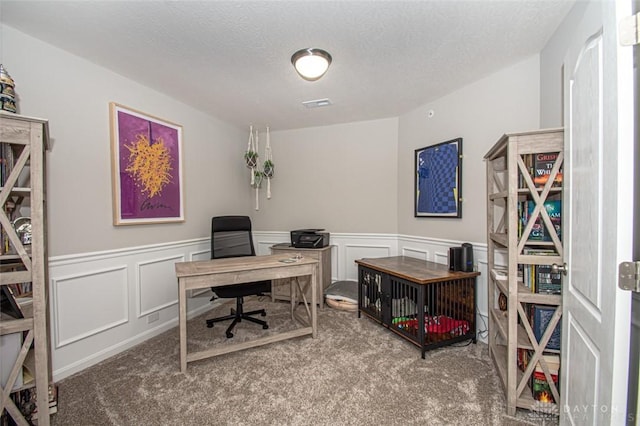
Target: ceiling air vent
<point>317,103</point>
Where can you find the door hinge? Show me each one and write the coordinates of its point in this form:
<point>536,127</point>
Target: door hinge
<point>629,276</point>
<point>629,30</point>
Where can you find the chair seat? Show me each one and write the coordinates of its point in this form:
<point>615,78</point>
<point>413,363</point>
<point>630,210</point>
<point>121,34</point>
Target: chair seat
<point>233,291</point>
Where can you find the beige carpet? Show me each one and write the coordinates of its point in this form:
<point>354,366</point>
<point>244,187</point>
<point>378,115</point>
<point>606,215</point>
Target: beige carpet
<point>354,373</point>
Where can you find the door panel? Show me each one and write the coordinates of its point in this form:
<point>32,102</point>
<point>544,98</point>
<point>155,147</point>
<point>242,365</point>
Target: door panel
<point>597,205</point>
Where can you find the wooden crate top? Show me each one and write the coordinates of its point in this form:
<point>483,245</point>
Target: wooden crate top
<point>414,270</point>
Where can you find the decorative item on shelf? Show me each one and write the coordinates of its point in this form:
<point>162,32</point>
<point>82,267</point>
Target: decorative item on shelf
<point>22,225</point>
<point>268,167</point>
<point>7,91</point>
<point>502,301</point>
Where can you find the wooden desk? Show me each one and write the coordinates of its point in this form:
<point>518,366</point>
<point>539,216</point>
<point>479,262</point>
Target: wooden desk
<point>219,272</point>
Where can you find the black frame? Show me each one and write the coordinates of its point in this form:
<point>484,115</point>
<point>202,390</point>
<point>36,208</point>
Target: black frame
<point>438,203</point>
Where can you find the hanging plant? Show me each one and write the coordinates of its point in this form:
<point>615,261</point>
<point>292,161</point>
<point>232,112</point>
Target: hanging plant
<point>251,158</point>
<point>251,154</point>
<point>268,168</point>
<point>258,176</point>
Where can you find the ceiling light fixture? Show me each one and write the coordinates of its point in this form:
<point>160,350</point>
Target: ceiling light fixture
<point>311,63</point>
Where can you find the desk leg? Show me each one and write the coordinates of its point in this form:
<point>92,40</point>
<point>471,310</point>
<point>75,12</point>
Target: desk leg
<point>314,302</point>
<point>292,295</point>
<point>182,318</point>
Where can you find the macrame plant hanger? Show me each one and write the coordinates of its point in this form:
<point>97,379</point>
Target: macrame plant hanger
<point>251,155</point>
<point>251,158</point>
<point>268,167</point>
<point>258,175</point>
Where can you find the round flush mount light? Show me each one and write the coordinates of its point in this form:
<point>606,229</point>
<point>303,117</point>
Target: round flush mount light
<point>311,63</point>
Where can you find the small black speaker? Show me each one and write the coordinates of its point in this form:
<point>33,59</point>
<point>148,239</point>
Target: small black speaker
<point>455,256</point>
<point>461,258</point>
<point>466,258</point>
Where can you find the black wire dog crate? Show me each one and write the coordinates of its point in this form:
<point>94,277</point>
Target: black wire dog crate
<point>421,301</point>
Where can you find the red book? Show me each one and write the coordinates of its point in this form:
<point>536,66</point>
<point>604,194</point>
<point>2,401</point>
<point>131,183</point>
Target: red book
<point>540,387</point>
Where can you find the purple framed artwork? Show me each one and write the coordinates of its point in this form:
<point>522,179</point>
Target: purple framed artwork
<point>146,168</point>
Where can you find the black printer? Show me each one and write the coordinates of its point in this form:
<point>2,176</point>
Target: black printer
<point>309,238</point>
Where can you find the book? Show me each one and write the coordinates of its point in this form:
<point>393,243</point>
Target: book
<point>523,358</point>
<point>540,318</point>
<point>547,281</point>
<point>540,387</point>
<point>539,231</point>
<point>542,165</point>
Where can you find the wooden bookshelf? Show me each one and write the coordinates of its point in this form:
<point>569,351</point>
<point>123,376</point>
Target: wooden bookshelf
<point>23,262</point>
<point>524,185</point>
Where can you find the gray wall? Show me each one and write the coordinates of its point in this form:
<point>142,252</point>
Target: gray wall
<point>342,178</point>
<point>74,95</point>
<point>349,178</point>
<point>358,177</point>
<point>480,113</point>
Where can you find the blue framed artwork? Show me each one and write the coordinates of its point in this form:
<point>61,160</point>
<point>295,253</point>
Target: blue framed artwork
<point>438,173</point>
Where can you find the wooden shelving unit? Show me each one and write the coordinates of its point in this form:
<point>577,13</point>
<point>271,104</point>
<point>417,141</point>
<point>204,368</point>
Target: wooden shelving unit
<point>23,259</point>
<point>280,289</point>
<point>522,238</point>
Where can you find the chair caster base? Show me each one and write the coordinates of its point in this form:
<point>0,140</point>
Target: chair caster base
<point>229,335</point>
<point>265,327</point>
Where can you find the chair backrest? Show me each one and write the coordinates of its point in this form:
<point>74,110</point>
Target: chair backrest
<point>231,237</point>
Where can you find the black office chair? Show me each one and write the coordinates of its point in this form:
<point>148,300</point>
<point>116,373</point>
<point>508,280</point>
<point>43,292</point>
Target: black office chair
<point>231,237</point>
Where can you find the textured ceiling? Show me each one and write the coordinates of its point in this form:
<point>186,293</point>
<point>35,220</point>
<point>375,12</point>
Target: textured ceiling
<point>232,58</point>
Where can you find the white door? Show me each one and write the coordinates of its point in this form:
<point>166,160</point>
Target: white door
<point>598,206</point>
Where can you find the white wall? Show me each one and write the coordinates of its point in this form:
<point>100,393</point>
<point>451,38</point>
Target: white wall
<point>74,94</point>
<point>480,113</point>
<point>342,178</point>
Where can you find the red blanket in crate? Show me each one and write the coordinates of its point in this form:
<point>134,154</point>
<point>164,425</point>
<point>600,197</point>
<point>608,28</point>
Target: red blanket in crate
<point>445,324</point>
<point>436,324</point>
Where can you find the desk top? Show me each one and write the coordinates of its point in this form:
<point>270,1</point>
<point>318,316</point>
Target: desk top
<point>414,270</point>
<point>239,264</point>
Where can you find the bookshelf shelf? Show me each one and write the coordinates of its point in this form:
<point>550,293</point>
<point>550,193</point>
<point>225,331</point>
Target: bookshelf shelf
<point>23,282</point>
<point>524,234</point>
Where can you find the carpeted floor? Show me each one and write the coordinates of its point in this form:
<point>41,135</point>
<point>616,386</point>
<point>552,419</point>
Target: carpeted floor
<point>354,373</point>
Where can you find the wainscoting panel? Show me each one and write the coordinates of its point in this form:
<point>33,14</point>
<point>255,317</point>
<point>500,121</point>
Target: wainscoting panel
<point>106,304</point>
<point>157,287</point>
<point>200,255</point>
<point>353,252</point>
<point>195,256</point>
<point>414,252</point>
